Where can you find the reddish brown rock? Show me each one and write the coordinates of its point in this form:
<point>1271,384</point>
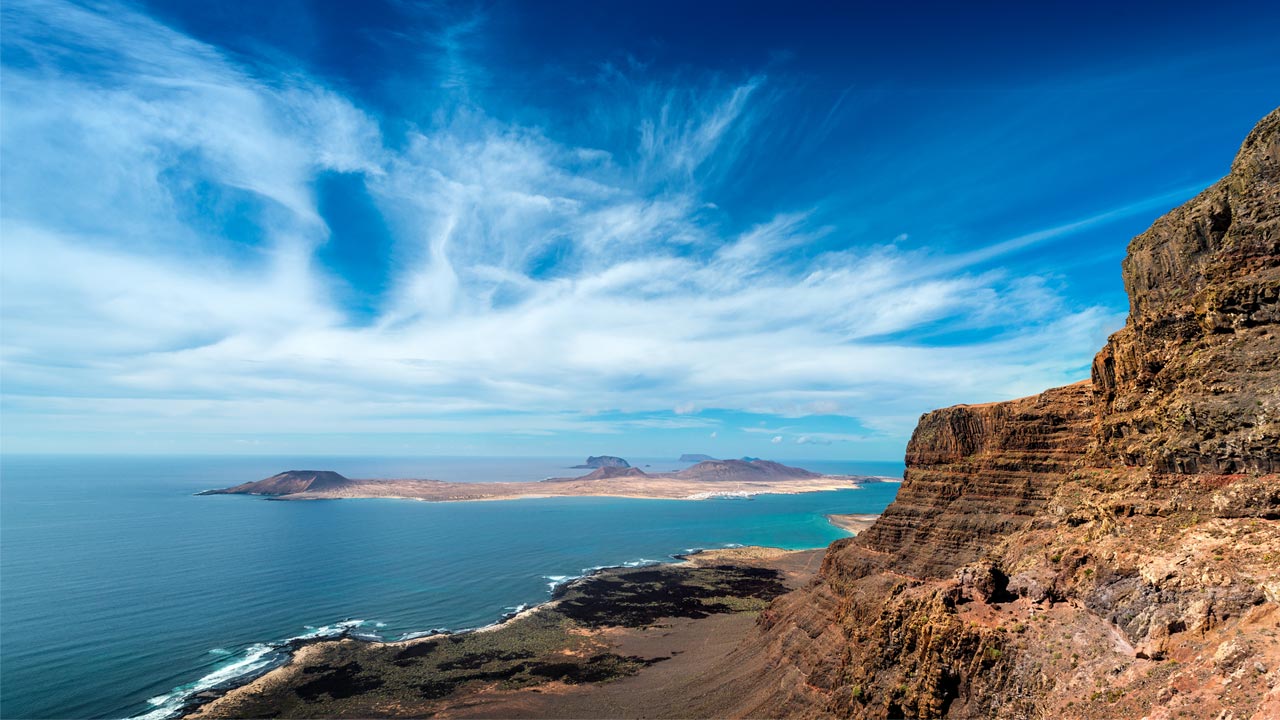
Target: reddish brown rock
<point>1109,549</point>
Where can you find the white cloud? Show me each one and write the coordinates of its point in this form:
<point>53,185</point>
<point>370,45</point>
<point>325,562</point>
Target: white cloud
<point>124,309</point>
<point>776,439</point>
<point>686,408</point>
<point>812,440</point>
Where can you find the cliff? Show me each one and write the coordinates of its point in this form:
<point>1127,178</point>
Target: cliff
<point>1106,549</point>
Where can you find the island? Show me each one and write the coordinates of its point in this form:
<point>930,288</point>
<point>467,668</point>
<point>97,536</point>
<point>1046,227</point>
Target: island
<point>694,458</point>
<point>708,479</point>
<point>602,461</point>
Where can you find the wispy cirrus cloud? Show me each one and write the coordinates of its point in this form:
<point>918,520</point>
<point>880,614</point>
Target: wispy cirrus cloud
<point>160,274</point>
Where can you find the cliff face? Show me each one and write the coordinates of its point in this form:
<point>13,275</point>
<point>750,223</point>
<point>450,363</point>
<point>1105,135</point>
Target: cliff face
<point>1189,384</point>
<point>974,472</point>
<point>1106,549</point>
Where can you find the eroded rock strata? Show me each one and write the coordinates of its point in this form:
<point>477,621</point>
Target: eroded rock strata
<point>1109,549</point>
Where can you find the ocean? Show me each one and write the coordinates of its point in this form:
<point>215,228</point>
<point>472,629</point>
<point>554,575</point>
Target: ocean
<point>121,593</point>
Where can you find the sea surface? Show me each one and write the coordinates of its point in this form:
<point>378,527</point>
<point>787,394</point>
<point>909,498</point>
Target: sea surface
<point>121,593</point>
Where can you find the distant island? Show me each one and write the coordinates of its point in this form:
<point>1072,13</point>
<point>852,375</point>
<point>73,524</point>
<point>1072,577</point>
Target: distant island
<point>695,457</point>
<point>603,461</point>
<point>707,479</point>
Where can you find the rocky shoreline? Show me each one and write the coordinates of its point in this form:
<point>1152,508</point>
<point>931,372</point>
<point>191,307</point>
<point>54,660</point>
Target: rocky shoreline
<point>563,642</point>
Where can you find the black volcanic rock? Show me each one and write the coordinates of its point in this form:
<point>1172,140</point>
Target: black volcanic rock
<point>695,457</point>
<point>287,483</point>
<point>602,461</point>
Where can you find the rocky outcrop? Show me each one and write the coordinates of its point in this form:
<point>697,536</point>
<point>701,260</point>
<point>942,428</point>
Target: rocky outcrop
<point>603,461</point>
<point>1190,383</point>
<point>976,472</point>
<point>1109,549</point>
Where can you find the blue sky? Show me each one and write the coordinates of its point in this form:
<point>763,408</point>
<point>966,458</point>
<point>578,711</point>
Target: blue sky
<point>782,230</point>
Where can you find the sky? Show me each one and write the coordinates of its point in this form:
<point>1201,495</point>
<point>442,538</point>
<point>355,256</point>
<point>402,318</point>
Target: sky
<point>488,228</point>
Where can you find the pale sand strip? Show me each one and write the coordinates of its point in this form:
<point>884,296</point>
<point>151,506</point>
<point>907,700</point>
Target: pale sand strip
<point>854,523</point>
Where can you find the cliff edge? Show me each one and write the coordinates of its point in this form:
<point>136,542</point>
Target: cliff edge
<point>1106,549</point>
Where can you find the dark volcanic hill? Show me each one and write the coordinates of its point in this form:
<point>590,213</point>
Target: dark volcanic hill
<point>604,473</point>
<point>288,483</point>
<point>694,457</point>
<point>742,471</point>
<point>1108,549</point>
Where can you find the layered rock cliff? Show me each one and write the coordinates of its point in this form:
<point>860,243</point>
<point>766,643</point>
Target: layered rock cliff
<point>1106,549</point>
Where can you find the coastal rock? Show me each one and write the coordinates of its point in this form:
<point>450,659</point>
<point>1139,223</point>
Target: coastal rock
<point>1101,550</point>
<point>603,461</point>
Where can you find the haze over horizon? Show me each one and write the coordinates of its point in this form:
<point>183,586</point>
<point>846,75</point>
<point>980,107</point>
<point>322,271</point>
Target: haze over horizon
<point>569,229</point>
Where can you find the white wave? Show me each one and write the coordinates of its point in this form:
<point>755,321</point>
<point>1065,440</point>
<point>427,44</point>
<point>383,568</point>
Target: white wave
<point>422,633</point>
<point>254,659</point>
<point>555,581</point>
<point>328,630</point>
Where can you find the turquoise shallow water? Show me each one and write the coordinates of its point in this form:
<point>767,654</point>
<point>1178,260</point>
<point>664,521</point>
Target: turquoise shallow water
<point>118,586</point>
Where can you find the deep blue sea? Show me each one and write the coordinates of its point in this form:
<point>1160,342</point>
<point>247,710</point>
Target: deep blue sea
<point>121,592</point>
